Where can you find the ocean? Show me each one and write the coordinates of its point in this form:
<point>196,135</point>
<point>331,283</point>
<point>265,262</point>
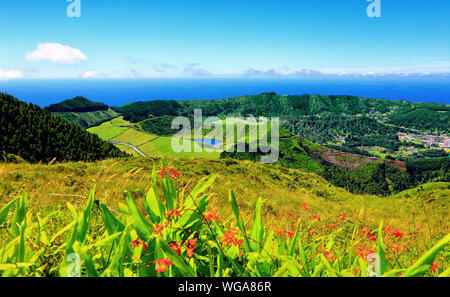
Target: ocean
<point>117,92</point>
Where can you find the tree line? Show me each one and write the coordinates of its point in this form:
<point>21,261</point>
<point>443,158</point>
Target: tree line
<point>37,135</point>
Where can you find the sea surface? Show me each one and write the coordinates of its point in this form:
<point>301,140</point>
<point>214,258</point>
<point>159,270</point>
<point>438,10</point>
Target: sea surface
<point>117,92</point>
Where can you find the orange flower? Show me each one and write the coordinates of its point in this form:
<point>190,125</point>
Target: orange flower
<point>170,173</point>
<point>317,217</point>
<point>342,217</point>
<point>211,215</point>
<point>365,230</point>
<point>305,206</point>
<point>176,248</point>
<point>364,252</point>
<point>230,238</point>
<point>435,267</point>
<point>397,234</point>
<point>191,245</point>
<point>159,228</point>
<point>174,213</point>
<point>161,265</point>
<point>136,243</point>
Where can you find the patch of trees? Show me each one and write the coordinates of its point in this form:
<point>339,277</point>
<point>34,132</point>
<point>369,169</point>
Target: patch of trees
<point>291,154</point>
<point>139,111</point>
<point>383,178</point>
<point>77,104</point>
<point>428,119</point>
<point>436,153</point>
<point>161,126</point>
<point>426,170</point>
<point>37,135</point>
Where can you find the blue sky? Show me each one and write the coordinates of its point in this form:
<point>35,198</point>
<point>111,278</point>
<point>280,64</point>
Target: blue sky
<point>171,38</point>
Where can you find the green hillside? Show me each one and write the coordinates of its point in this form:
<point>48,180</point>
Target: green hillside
<point>77,104</point>
<point>348,121</point>
<point>37,135</point>
<point>83,112</point>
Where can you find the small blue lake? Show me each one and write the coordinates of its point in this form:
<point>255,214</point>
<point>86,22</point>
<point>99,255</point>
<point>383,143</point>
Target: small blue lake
<point>212,142</point>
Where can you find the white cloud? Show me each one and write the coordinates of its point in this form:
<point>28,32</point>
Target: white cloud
<point>193,69</point>
<point>55,52</point>
<point>93,74</point>
<point>10,74</point>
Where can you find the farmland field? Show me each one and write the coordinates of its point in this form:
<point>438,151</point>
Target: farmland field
<point>110,129</point>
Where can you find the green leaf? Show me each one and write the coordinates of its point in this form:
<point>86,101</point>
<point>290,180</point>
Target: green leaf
<point>112,224</point>
<point>5,210</point>
<point>294,240</point>
<point>154,206</point>
<point>257,231</point>
<point>8,266</point>
<point>170,194</point>
<point>446,273</point>
<point>19,215</point>
<point>381,255</point>
<point>240,223</point>
<point>137,219</point>
<point>202,186</point>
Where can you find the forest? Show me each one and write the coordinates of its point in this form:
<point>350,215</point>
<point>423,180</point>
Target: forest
<point>37,135</point>
<point>77,104</point>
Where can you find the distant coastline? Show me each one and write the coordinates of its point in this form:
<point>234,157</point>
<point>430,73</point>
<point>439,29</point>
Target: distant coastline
<point>117,92</point>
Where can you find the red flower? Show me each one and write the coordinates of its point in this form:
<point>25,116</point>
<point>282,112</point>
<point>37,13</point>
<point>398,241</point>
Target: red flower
<point>169,172</point>
<point>342,217</point>
<point>329,255</point>
<point>397,234</point>
<point>230,238</point>
<point>317,217</point>
<point>174,213</point>
<point>435,267</point>
<point>305,206</point>
<point>364,252</point>
<point>365,230</point>
<point>356,269</point>
<point>176,248</point>
<point>191,245</point>
<point>211,215</point>
<point>282,214</point>
<point>290,234</point>
<point>159,228</point>
<point>136,243</point>
<point>162,265</point>
<point>144,245</point>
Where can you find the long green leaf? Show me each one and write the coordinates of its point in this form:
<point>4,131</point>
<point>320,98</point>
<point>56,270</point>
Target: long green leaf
<point>257,231</point>
<point>429,256</point>
<point>5,210</point>
<point>240,223</point>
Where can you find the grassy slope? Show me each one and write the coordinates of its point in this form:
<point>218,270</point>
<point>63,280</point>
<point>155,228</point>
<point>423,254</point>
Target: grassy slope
<point>88,119</point>
<point>110,129</point>
<point>281,189</point>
